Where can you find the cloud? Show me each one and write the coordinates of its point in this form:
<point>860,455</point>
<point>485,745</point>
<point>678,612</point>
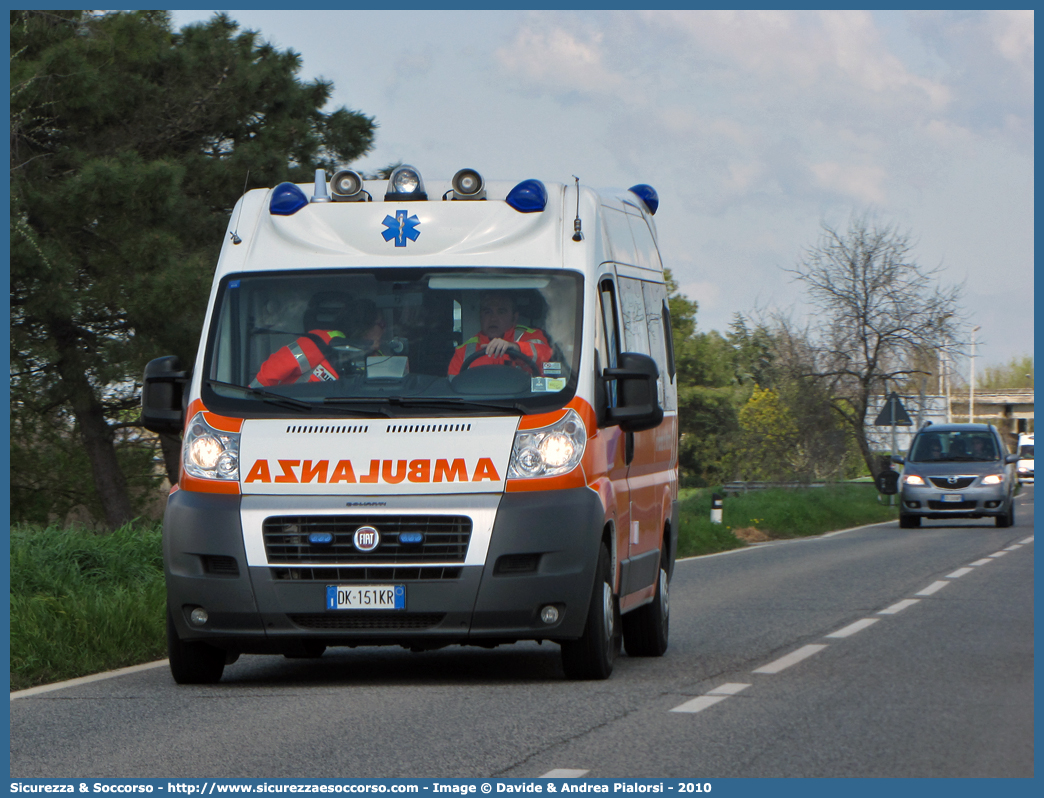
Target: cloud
<point>864,184</point>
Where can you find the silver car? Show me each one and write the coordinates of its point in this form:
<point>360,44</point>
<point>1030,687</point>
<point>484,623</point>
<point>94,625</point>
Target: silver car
<point>957,471</point>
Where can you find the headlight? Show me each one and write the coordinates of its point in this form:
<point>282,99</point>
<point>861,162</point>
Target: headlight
<point>210,453</point>
<point>548,451</point>
<point>912,479</point>
<point>993,479</point>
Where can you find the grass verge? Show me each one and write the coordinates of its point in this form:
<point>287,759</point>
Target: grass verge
<point>774,514</point>
<point>83,603</point>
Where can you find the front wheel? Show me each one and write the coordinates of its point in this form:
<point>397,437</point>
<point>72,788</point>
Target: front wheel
<point>193,663</point>
<point>645,630</point>
<point>591,657</point>
<point>1008,519</point>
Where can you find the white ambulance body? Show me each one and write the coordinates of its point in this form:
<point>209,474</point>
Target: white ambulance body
<point>391,493</point>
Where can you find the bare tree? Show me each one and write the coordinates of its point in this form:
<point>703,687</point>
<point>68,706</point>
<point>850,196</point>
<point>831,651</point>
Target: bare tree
<point>877,312</point>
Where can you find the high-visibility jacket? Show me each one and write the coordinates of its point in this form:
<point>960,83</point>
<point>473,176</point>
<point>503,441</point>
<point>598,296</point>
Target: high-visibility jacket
<point>301,361</point>
<point>532,342</point>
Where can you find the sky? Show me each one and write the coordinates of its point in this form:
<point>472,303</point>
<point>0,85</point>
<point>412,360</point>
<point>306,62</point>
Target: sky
<point>755,128</point>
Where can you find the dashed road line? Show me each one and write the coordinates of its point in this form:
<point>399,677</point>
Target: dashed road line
<point>997,554</point>
<point>983,561</point>
<point>564,773</point>
<point>711,698</point>
<point>958,573</point>
<point>934,587</point>
<point>729,688</point>
<point>793,658</point>
<point>1014,547</point>
<point>852,628</point>
<point>899,606</point>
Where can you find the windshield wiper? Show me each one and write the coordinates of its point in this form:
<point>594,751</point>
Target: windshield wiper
<point>409,401</point>
<point>274,398</point>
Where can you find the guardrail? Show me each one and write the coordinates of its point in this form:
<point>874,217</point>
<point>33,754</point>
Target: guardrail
<point>743,486</point>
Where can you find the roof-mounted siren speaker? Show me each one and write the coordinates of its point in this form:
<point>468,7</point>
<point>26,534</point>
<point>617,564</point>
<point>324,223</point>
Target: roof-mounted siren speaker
<point>405,185</point>
<point>468,185</point>
<point>648,195</point>
<point>347,186</point>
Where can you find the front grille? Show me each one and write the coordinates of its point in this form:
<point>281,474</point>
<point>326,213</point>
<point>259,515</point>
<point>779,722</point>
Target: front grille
<point>340,575</point>
<point>951,505</point>
<point>385,619</point>
<point>443,538</point>
<point>957,484</point>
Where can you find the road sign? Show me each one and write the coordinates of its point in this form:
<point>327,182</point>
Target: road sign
<point>893,412</point>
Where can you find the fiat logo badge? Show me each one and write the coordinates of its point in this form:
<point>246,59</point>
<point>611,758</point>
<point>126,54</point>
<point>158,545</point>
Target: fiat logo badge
<point>366,538</point>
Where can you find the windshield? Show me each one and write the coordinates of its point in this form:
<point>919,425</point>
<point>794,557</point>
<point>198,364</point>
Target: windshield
<point>944,446</point>
<point>1026,452</point>
<point>408,341</point>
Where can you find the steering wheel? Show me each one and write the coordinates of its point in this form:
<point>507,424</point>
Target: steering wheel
<point>514,354</point>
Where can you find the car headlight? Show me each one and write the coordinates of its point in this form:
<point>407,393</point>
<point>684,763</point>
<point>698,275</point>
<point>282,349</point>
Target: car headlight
<point>210,453</point>
<point>993,479</point>
<point>912,479</point>
<point>548,451</point>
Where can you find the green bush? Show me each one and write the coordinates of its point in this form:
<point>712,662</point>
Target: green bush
<point>83,603</point>
<point>777,512</point>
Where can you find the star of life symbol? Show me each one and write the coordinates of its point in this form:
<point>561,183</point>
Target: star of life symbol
<point>400,227</point>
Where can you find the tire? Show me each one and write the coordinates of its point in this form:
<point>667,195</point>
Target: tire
<point>591,657</point>
<point>1008,519</point>
<point>646,629</point>
<point>193,663</point>
<point>909,521</point>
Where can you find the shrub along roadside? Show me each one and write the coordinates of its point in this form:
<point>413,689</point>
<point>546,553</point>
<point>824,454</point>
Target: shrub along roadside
<point>83,603</point>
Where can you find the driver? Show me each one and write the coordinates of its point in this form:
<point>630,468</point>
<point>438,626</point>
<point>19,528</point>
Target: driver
<point>501,333</point>
<point>308,359</point>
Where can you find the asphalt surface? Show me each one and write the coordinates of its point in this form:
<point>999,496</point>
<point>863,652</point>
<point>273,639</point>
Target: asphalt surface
<point>875,652</point>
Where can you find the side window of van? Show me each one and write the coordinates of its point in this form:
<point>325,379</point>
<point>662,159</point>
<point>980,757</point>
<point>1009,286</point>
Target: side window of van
<point>620,239</point>
<point>645,246</point>
<point>655,298</point>
<point>632,316</point>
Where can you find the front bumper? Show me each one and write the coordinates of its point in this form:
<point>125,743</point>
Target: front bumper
<point>542,550</point>
<point>973,502</point>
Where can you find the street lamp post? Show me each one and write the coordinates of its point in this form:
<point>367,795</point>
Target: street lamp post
<point>971,379</point>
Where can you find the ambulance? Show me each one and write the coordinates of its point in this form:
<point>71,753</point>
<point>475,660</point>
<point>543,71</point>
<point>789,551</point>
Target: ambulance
<point>1025,464</point>
<point>424,415</point>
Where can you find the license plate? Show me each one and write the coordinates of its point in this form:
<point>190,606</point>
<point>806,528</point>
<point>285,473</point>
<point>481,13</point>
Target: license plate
<point>952,497</point>
<point>365,597</point>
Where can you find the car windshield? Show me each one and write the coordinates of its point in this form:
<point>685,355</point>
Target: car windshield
<point>1026,452</point>
<point>942,446</point>
<point>408,341</point>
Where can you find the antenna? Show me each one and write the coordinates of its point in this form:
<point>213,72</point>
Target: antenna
<point>577,235</point>
<point>235,232</point>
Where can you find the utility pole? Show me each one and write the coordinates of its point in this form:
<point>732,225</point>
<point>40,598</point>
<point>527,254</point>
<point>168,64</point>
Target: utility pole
<point>971,378</point>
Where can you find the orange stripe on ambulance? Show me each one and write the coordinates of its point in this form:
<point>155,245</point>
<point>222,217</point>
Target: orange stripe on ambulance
<point>391,472</point>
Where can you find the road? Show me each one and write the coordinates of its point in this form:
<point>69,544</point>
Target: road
<point>874,652</point>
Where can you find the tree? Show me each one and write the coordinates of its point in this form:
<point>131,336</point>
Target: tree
<point>130,143</point>
<point>876,311</point>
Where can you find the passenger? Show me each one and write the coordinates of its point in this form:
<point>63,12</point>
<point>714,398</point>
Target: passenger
<point>932,450</point>
<point>314,357</point>
<point>501,333</point>
<point>981,449</point>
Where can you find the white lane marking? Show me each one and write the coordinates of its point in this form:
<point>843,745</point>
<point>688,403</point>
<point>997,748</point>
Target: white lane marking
<point>699,704</point>
<point>958,573</point>
<point>899,606</point>
<point>983,561</point>
<point>791,659</point>
<point>852,628</point>
<point>96,677</point>
<point>564,773</point>
<point>997,554</point>
<point>934,587</point>
<point>729,688</point>
<point>1027,540</point>
<point>1014,547</point>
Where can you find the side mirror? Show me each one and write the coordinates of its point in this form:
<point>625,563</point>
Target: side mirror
<point>1012,458</point>
<point>898,458</point>
<point>638,406</point>
<point>161,395</point>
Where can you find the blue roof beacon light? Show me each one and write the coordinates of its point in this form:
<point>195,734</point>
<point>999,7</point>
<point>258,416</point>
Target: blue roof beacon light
<point>529,196</point>
<point>648,195</point>
<point>287,199</point>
